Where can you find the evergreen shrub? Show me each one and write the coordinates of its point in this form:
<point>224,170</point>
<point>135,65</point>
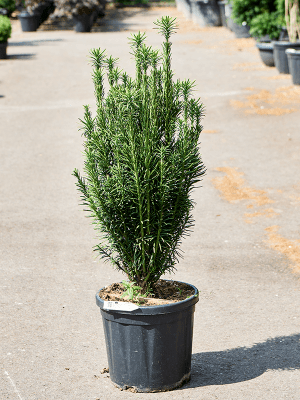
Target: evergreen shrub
<point>142,160</point>
<point>5,28</point>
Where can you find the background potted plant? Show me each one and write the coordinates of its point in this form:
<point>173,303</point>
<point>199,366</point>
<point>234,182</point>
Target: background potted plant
<point>266,27</point>
<point>141,163</point>
<point>7,7</point>
<point>293,27</point>
<point>292,19</point>
<point>5,33</point>
<point>206,12</point>
<point>83,12</point>
<point>243,12</point>
<point>29,17</point>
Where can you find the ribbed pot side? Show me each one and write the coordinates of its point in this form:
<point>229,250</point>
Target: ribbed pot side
<point>150,349</point>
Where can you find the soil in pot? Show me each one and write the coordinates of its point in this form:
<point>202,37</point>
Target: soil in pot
<point>206,13</point>
<point>3,49</point>
<point>266,53</point>
<point>164,292</point>
<point>280,57</point>
<point>149,348</point>
<point>294,65</point>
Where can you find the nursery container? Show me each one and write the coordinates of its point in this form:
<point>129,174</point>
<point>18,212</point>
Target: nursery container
<point>240,31</point>
<point>3,49</point>
<point>294,65</point>
<point>29,22</point>
<point>149,349</point>
<point>206,13</point>
<point>266,53</point>
<point>280,57</point>
<point>222,5</point>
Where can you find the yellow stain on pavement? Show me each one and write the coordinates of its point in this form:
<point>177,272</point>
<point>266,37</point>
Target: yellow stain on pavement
<point>290,248</point>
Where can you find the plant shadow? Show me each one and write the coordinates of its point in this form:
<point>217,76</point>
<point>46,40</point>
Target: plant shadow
<point>33,42</point>
<point>245,363</point>
<point>20,56</point>
<point>113,21</point>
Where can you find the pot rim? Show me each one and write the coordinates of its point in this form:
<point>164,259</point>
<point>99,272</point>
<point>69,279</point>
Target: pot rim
<point>151,310</point>
<point>264,46</point>
<point>292,52</point>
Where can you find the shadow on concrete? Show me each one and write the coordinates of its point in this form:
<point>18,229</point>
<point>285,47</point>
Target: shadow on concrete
<point>34,42</point>
<point>245,363</point>
<point>20,56</point>
<point>113,21</point>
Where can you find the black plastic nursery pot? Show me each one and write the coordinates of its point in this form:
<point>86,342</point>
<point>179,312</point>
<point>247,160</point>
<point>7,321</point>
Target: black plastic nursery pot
<point>222,5</point>
<point>149,349</point>
<point>3,49</point>
<point>29,22</point>
<point>266,53</point>
<point>240,31</point>
<point>294,65</point>
<point>280,57</point>
<point>84,22</point>
<point>206,13</point>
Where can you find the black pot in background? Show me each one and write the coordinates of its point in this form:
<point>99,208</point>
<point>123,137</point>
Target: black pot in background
<point>284,35</point>
<point>222,5</point>
<point>240,31</point>
<point>206,13</point>
<point>84,22</point>
<point>44,10</point>
<point>150,348</point>
<point>294,64</point>
<point>280,57</point>
<point>29,22</point>
<point>266,53</point>
<point>3,48</point>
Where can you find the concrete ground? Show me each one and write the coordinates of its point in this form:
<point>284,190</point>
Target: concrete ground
<point>244,254</point>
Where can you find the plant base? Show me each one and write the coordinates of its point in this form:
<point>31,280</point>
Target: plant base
<point>3,49</point>
<point>149,349</point>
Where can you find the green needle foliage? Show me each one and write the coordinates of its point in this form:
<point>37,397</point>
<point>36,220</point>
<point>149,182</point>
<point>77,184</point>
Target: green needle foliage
<point>141,160</point>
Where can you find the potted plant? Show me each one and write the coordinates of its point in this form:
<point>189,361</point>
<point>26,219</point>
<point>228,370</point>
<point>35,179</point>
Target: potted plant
<point>5,33</point>
<point>266,27</point>
<point>206,12</point>
<point>7,7</point>
<point>141,163</point>
<point>29,17</point>
<point>83,12</point>
<point>243,12</point>
<point>292,19</point>
<point>293,27</point>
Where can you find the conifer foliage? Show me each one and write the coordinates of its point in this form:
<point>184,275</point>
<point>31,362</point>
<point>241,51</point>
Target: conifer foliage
<point>141,160</point>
